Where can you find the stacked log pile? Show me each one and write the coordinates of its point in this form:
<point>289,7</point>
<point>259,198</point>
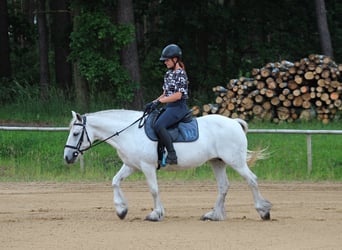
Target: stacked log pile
<point>282,91</point>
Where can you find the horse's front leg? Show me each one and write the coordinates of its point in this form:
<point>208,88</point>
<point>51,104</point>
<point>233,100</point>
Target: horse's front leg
<point>151,177</point>
<point>119,198</point>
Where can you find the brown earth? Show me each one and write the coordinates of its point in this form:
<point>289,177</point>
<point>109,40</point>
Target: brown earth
<point>82,216</point>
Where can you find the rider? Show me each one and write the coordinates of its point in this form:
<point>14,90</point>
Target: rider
<point>175,94</point>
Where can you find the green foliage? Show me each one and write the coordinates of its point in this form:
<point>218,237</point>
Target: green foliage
<point>23,38</point>
<point>95,45</point>
<point>221,40</point>
<point>334,9</point>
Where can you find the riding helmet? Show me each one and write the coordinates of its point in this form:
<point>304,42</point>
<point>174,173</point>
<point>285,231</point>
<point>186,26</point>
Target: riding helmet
<point>170,51</point>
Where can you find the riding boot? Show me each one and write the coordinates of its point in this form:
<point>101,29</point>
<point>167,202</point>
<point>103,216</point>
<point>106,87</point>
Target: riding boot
<point>165,139</point>
<point>160,151</point>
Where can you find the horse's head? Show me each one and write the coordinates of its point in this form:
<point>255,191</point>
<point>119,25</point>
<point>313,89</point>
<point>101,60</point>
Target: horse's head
<point>78,140</point>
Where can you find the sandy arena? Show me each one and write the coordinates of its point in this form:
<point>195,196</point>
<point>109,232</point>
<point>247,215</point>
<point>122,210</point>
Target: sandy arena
<point>82,216</point>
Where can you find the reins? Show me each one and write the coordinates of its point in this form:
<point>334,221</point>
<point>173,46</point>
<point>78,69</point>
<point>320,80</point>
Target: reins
<point>141,121</point>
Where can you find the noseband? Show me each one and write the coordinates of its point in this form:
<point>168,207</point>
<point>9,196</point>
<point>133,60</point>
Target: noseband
<point>80,141</point>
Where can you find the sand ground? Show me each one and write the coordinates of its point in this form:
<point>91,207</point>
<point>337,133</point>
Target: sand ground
<point>82,216</point>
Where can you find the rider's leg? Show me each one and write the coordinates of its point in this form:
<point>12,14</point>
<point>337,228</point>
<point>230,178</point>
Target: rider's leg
<point>166,140</point>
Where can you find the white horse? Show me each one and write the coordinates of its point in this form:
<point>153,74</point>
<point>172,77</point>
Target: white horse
<point>222,141</point>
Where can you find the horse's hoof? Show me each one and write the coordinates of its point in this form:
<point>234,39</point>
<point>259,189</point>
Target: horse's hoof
<point>267,216</point>
<point>148,218</point>
<point>123,214</point>
<point>154,216</point>
<point>206,218</point>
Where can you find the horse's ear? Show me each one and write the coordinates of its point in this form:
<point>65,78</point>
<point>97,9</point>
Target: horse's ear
<point>76,116</point>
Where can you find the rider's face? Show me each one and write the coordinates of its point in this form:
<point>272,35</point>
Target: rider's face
<point>169,63</point>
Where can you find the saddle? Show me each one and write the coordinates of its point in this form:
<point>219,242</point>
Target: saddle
<point>185,131</point>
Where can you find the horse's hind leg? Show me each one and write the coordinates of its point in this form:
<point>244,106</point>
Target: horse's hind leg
<point>262,205</point>
<point>218,213</point>
<point>119,198</point>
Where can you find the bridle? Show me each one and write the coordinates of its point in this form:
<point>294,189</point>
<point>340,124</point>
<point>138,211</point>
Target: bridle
<point>78,146</point>
<point>80,141</point>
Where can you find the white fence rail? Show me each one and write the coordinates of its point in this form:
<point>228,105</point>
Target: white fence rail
<point>308,134</point>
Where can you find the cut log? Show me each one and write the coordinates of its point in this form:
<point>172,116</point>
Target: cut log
<point>219,100</point>
<point>309,75</point>
<point>297,101</point>
<point>196,110</point>
<point>325,74</point>
<point>283,91</point>
<point>304,89</point>
<point>270,93</point>
<point>231,106</point>
<point>296,92</point>
<point>283,113</point>
<point>220,89</point>
<point>259,99</point>
<point>275,101</point>
<point>306,97</point>
<point>257,109</point>
<point>264,72</point>
<point>247,103</point>
<point>267,106</point>
<point>210,108</point>
<point>338,103</point>
<point>306,104</point>
<point>298,79</point>
<point>306,115</point>
<point>287,103</point>
<point>255,71</point>
<point>292,85</point>
<point>334,96</point>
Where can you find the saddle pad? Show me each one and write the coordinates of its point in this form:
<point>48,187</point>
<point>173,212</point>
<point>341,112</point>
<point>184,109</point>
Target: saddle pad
<point>184,132</point>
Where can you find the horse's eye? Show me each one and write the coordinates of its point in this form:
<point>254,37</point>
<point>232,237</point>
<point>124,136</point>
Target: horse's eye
<point>76,133</point>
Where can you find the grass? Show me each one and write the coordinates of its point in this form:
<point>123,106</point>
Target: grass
<point>38,156</point>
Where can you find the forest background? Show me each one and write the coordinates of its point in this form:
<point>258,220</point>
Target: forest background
<point>93,55</point>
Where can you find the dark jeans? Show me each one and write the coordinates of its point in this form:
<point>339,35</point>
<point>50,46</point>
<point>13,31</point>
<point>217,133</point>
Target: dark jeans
<point>173,113</point>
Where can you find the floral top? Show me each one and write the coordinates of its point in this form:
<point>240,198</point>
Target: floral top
<point>176,81</point>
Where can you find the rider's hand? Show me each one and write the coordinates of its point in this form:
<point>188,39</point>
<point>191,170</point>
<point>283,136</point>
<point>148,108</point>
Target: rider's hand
<point>149,107</point>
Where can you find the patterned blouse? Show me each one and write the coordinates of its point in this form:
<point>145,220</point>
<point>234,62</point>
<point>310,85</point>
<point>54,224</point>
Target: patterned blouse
<point>176,81</point>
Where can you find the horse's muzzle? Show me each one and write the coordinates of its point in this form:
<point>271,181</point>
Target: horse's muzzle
<point>71,159</point>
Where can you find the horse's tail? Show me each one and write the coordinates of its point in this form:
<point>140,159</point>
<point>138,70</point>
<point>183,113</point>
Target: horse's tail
<point>252,156</point>
<point>243,124</point>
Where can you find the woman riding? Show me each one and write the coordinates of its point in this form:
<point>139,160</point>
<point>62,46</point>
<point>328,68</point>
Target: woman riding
<point>175,95</point>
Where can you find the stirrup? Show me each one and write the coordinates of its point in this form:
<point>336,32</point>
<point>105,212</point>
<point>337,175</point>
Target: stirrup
<point>171,158</point>
<point>163,161</point>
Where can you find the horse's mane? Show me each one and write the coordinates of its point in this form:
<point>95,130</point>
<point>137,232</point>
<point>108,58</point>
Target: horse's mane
<point>119,114</point>
<point>111,112</point>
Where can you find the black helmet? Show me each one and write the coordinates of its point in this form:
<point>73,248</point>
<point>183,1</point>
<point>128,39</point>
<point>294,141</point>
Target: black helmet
<point>171,50</point>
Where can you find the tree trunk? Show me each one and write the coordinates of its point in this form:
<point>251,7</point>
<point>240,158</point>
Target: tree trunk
<point>323,28</point>
<point>29,10</point>
<point>5,64</point>
<point>129,54</point>
<point>60,33</point>
<point>81,85</point>
<point>43,49</point>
